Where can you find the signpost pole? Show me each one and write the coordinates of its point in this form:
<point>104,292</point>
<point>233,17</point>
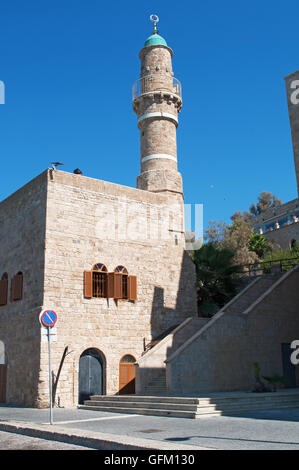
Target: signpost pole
<point>50,376</point>
<point>48,319</point>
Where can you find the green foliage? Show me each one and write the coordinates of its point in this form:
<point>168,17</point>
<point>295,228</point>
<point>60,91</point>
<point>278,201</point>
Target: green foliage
<point>283,257</point>
<point>217,279</point>
<point>275,380</point>
<point>259,244</point>
<point>259,386</point>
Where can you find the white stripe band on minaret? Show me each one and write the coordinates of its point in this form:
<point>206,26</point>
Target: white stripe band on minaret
<point>158,114</point>
<point>158,155</point>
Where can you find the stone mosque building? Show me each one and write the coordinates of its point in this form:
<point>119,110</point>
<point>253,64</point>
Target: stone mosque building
<point>108,259</point>
<point>111,262</point>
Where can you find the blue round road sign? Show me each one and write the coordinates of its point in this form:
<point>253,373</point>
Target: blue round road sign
<point>48,318</point>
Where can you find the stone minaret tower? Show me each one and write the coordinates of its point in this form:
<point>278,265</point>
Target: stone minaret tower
<point>157,100</point>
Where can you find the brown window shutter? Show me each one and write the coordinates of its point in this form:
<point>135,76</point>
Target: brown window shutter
<point>3,291</point>
<point>88,284</point>
<point>132,284</point>
<point>17,287</point>
<point>110,285</point>
<point>118,291</point>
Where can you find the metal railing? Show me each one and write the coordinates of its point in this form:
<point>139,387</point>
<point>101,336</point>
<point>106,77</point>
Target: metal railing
<point>156,82</point>
<point>269,267</point>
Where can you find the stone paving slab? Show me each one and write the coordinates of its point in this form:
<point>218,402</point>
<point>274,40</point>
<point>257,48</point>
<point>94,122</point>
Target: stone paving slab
<point>94,440</point>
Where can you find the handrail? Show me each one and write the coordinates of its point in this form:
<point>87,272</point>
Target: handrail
<point>154,83</point>
<point>265,266</point>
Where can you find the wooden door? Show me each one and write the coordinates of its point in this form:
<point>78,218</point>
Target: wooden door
<point>3,380</point>
<point>90,376</point>
<point>126,378</point>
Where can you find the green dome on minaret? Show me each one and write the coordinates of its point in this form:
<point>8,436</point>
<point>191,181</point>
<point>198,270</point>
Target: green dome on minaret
<point>155,39</point>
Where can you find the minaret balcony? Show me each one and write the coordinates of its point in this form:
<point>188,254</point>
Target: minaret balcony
<point>157,83</point>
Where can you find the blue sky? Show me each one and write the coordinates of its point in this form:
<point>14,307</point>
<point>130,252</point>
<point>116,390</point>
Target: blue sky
<point>68,68</point>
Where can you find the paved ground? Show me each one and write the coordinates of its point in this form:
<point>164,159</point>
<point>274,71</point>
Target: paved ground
<point>263,430</point>
<point>12,441</point>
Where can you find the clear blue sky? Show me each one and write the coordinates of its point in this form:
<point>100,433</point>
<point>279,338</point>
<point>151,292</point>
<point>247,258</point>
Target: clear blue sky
<point>68,67</point>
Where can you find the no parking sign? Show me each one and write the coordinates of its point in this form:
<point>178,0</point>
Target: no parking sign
<point>48,318</point>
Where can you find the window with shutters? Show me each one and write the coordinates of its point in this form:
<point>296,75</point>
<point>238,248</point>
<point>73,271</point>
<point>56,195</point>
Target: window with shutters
<point>16,292</point>
<point>111,285</point>
<point>95,281</point>
<point>4,289</point>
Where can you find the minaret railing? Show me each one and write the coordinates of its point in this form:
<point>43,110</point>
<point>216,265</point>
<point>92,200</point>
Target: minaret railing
<point>154,83</point>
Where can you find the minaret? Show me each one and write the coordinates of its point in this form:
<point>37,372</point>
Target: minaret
<point>157,100</point>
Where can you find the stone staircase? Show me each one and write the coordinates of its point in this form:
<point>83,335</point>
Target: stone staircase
<point>153,359</point>
<point>226,403</point>
<point>157,386</point>
<point>250,294</point>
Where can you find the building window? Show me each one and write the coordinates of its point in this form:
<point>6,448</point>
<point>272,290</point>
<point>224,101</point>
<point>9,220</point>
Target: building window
<point>95,281</point>
<point>99,280</point>
<point>3,289</point>
<point>111,285</point>
<point>16,288</point>
<point>121,282</point>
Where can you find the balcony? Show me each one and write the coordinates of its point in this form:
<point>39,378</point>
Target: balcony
<point>157,83</point>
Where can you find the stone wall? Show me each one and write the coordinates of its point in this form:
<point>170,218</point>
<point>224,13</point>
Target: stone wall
<point>284,235</point>
<point>91,221</point>
<point>22,230</point>
<point>221,356</point>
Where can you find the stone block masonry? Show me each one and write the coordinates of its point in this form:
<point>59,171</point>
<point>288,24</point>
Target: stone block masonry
<point>60,225</point>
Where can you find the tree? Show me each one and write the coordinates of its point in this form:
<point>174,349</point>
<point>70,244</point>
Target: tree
<point>235,237</point>
<point>216,231</point>
<point>259,244</point>
<point>266,200</point>
<point>217,278</point>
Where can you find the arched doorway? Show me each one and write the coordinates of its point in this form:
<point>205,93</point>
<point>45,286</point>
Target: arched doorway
<point>127,375</point>
<point>90,374</point>
<point>3,373</point>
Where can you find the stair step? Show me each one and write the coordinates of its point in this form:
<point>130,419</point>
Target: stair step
<point>145,398</point>
<point>149,405</point>
<point>145,411</point>
<point>192,407</point>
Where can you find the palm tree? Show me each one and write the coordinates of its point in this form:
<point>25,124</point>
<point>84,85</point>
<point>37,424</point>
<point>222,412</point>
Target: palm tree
<point>217,278</point>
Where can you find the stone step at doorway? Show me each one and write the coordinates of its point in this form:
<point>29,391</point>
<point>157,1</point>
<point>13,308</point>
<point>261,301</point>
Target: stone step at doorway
<point>230,403</point>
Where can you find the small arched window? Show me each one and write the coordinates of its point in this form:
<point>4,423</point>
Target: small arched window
<point>4,289</point>
<point>121,269</point>
<point>100,267</point>
<point>127,359</point>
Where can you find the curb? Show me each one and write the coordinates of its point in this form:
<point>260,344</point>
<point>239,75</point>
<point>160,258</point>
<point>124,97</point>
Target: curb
<point>91,439</point>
